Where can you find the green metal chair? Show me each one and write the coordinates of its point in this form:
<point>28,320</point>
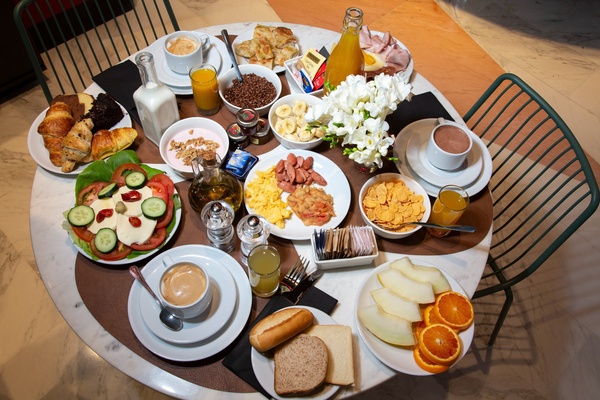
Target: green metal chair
<point>542,185</point>
<point>77,39</point>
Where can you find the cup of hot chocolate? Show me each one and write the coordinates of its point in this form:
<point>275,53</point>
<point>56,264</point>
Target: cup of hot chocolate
<point>185,289</point>
<point>184,49</point>
<point>449,145</point>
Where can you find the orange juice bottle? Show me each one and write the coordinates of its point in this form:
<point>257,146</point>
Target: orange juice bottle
<point>347,56</point>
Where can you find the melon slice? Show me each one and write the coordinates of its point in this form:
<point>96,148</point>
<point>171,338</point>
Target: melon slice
<point>422,274</point>
<point>396,305</point>
<point>397,282</point>
<point>387,327</point>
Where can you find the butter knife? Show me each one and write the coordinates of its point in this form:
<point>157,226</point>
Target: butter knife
<point>295,295</point>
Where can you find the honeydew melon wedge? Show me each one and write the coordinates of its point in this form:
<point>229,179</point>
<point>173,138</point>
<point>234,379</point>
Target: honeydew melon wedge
<point>396,305</point>
<point>422,274</point>
<point>402,285</point>
<point>387,327</point>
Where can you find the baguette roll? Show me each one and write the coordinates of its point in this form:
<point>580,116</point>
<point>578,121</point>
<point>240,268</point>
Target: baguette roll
<point>279,327</point>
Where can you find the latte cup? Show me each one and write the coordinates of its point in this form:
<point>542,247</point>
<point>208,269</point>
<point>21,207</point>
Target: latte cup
<point>448,146</point>
<point>185,289</point>
<point>184,49</point>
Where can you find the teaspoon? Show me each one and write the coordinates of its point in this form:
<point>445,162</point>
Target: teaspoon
<point>225,37</point>
<point>166,317</point>
<point>460,228</point>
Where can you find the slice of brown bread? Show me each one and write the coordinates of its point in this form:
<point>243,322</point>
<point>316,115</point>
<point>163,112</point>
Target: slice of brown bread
<point>300,365</point>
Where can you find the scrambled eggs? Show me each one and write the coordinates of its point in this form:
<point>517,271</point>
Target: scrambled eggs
<point>264,197</point>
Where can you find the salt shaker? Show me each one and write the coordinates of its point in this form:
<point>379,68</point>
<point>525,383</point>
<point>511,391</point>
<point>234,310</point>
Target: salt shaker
<point>218,217</point>
<point>252,231</point>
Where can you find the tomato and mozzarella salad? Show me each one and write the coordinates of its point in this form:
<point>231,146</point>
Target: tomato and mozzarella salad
<point>131,212</point>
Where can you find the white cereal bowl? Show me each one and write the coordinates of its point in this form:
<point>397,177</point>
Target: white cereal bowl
<point>290,99</point>
<point>190,128</point>
<point>412,185</point>
<point>228,77</point>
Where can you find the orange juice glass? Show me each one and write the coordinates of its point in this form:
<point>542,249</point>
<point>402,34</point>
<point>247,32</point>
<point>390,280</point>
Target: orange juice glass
<point>205,87</point>
<point>450,204</point>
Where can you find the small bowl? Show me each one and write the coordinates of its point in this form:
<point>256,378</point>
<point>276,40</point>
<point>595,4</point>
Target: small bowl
<point>344,262</point>
<point>290,99</point>
<point>294,79</point>
<point>412,185</point>
<point>228,77</point>
<point>180,132</point>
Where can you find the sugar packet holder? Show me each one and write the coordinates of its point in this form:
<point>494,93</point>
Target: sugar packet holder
<point>344,262</point>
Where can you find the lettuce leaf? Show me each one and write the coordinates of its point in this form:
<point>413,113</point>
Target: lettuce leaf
<point>102,170</point>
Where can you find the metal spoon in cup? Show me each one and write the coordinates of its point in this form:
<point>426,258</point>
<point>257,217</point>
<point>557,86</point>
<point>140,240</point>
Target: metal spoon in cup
<point>166,317</point>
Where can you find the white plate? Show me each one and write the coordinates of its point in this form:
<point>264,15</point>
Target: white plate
<point>181,82</point>
<point>264,367</point>
<point>399,358</point>
<point>249,34</point>
<point>403,166</point>
<point>210,346</point>
<point>139,258</point>
<point>39,153</point>
<point>417,136</point>
<point>337,187</point>
<point>209,322</point>
<point>411,64</point>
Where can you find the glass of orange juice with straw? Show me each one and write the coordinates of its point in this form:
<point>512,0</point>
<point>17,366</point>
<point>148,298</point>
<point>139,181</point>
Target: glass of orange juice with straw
<point>264,266</point>
<point>450,204</point>
<point>205,88</point>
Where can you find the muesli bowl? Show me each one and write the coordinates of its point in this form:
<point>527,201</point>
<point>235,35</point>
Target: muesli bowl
<point>188,138</point>
<point>226,81</point>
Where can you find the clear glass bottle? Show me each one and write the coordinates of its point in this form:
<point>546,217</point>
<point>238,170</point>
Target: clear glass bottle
<point>213,183</point>
<point>252,230</point>
<point>347,57</point>
<point>218,218</point>
<point>154,101</point>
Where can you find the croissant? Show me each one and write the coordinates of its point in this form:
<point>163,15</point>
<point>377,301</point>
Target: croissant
<point>53,128</point>
<point>77,145</point>
<point>107,143</point>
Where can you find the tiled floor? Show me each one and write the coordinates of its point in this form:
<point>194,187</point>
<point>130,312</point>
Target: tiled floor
<point>549,346</point>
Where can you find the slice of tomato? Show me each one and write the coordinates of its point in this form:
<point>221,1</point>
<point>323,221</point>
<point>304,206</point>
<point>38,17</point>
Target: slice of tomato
<point>83,233</point>
<point>159,190</point>
<point>119,252</point>
<point>155,240</point>
<point>165,180</point>
<point>165,220</point>
<point>89,194</point>
<point>123,170</point>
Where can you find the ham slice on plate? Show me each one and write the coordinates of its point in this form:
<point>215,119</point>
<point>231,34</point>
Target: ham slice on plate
<point>395,55</point>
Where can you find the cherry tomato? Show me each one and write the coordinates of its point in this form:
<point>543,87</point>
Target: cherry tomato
<point>83,233</point>
<point>135,222</point>
<point>166,181</point>
<point>155,240</point>
<point>103,214</point>
<point>123,170</point>
<point>131,196</point>
<point>120,251</point>
<point>89,194</point>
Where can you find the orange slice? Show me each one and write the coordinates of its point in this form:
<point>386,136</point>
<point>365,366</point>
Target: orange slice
<point>454,309</point>
<point>419,327</point>
<point>427,365</point>
<point>429,316</point>
<point>440,344</point>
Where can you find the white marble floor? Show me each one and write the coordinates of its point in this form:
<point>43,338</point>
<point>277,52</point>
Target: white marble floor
<point>549,347</point>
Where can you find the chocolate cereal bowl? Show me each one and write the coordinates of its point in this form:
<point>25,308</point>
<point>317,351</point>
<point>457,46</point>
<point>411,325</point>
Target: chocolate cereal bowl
<point>253,90</point>
<point>411,185</point>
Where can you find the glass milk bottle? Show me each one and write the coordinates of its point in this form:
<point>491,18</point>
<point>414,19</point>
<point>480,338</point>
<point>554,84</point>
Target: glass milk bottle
<point>154,101</point>
<point>347,57</point>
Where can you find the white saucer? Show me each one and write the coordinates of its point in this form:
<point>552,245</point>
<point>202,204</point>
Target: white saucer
<point>264,367</point>
<point>210,346</point>
<point>210,321</point>
<point>418,135</point>
<point>403,166</point>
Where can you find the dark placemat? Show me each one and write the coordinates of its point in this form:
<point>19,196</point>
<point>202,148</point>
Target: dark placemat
<point>121,81</point>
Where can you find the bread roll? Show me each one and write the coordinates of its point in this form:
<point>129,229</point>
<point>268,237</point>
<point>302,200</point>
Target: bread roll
<point>106,143</point>
<point>279,327</point>
<point>300,365</point>
<point>338,339</point>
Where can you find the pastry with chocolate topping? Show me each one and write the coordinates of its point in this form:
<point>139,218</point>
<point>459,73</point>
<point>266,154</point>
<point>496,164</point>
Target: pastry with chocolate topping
<point>105,112</point>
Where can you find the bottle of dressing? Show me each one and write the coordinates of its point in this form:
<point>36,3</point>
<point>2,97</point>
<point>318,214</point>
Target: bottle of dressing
<point>154,101</point>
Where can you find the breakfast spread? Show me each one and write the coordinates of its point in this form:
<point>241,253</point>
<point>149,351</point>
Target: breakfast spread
<point>270,46</point>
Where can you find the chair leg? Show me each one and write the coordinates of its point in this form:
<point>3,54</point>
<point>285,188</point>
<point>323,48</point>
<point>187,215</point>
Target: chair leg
<point>502,316</point>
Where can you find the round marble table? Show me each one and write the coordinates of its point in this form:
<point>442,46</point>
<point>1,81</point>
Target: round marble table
<point>55,257</point>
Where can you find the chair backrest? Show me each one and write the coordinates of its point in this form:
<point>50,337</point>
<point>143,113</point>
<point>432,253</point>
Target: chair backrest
<point>542,185</point>
<point>77,39</point>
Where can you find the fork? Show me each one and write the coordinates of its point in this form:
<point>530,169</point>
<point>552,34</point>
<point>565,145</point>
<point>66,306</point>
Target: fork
<point>294,275</point>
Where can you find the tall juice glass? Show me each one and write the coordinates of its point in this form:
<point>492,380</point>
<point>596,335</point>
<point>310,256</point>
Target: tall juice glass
<point>264,266</point>
<point>347,57</point>
<point>450,204</point>
<point>205,88</point>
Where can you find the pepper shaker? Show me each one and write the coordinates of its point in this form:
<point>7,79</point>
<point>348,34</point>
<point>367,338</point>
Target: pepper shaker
<point>252,231</point>
<point>218,217</point>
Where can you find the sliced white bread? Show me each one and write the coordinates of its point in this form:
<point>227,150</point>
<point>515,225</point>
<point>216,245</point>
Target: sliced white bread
<point>300,365</point>
<point>338,339</point>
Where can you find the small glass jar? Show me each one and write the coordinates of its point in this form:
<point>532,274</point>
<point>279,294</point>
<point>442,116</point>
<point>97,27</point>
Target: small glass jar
<point>247,120</point>
<point>262,132</point>
<point>236,138</point>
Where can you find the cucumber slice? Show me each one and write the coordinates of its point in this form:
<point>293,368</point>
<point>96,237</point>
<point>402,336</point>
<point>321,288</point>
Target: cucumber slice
<point>154,207</point>
<point>108,191</point>
<point>135,180</point>
<point>105,240</point>
<point>81,215</point>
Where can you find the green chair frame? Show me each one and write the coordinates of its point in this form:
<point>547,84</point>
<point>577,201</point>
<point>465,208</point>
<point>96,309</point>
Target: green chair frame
<point>542,185</point>
<point>92,35</point>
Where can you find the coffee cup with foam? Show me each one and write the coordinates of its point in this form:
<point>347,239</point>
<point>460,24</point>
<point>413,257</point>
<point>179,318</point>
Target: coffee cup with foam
<point>185,289</point>
<point>184,49</point>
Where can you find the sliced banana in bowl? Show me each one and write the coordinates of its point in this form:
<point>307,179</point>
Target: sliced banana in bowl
<point>287,121</point>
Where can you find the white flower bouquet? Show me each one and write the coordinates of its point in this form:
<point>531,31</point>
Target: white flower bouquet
<point>355,112</point>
